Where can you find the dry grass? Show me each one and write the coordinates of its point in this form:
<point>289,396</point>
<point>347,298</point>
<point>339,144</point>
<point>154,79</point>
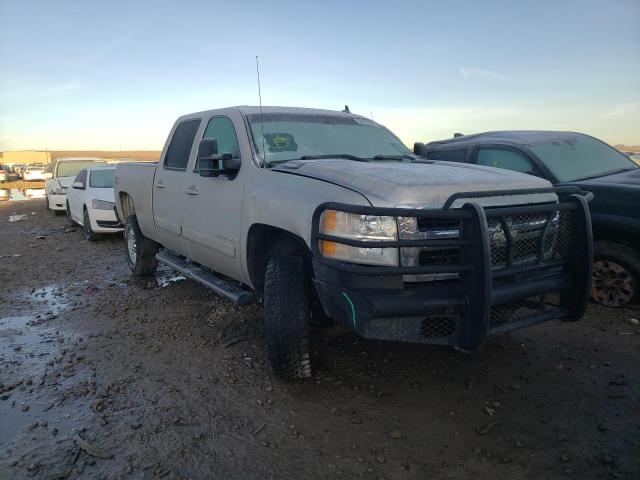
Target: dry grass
<point>148,155</point>
<point>21,184</point>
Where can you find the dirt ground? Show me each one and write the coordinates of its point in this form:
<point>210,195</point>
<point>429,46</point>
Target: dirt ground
<point>163,379</point>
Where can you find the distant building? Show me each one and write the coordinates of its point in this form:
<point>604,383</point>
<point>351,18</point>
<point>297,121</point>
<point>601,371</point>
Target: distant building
<point>26,157</point>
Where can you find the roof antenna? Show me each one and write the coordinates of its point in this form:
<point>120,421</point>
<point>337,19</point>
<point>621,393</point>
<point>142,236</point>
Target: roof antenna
<point>346,109</point>
<point>264,153</point>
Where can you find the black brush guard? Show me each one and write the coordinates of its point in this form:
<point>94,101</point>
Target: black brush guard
<point>506,276</point>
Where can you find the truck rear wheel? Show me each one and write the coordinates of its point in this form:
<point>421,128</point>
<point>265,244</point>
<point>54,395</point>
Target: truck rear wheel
<point>616,274</point>
<point>287,316</point>
<point>139,250</point>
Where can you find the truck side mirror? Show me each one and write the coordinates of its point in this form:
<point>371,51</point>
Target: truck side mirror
<point>207,148</point>
<point>77,185</point>
<point>48,175</point>
<point>420,149</point>
<point>211,163</point>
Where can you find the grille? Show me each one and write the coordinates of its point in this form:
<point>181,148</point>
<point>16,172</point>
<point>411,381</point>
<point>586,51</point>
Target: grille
<point>427,224</point>
<point>526,234</point>
<point>441,323</point>
<point>523,239</point>
<point>446,256</point>
<point>441,326</point>
<point>558,243</point>
<point>514,311</point>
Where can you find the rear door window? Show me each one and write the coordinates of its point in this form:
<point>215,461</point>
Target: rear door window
<point>504,158</point>
<point>179,149</point>
<point>457,155</point>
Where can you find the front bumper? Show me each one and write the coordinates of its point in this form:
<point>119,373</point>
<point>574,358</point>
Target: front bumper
<point>57,201</point>
<point>104,221</point>
<point>495,285</point>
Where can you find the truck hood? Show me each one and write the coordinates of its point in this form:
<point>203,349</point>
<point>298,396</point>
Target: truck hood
<point>419,185</point>
<point>617,194</point>
<point>65,181</point>
<point>630,178</point>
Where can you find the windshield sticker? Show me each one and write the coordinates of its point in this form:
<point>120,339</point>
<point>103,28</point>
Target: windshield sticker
<point>281,142</point>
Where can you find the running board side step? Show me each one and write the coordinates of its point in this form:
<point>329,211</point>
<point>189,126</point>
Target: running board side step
<point>235,293</point>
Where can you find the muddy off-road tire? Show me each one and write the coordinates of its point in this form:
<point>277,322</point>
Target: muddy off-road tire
<point>287,316</point>
<point>616,274</point>
<point>139,250</point>
<point>89,234</point>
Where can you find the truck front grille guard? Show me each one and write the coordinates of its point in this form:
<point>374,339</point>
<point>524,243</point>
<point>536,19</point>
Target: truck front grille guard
<point>497,245</point>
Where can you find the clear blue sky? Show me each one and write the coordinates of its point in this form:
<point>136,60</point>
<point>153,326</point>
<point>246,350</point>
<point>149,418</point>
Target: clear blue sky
<point>114,75</point>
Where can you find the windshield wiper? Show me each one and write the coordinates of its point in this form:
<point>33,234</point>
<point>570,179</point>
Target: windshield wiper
<point>394,157</point>
<point>346,156</point>
<point>605,174</point>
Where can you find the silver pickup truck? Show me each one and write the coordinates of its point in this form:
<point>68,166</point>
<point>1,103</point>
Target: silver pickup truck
<point>327,217</point>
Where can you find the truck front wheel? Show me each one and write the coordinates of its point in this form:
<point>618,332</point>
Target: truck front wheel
<point>287,316</point>
<point>139,250</point>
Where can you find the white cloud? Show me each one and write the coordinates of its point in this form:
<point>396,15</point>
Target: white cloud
<point>468,72</point>
<point>623,109</point>
<point>15,93</point>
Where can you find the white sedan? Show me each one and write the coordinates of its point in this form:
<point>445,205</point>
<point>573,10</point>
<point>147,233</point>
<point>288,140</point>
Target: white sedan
<point>91,202</point>
<point>33,173</point>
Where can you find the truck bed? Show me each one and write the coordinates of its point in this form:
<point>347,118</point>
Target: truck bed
<point>135,180</point>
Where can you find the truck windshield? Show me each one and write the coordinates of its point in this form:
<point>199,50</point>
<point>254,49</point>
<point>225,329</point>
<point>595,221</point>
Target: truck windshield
<point>290,136</point>
<point>580,157</point>
<point>72,168</point>
<point>102,178</point>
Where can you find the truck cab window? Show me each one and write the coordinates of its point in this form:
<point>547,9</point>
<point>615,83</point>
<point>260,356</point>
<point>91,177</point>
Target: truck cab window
<point>177,155</point>
<point>222,129</point>
<point>503,158</point>
<point>458,155</point>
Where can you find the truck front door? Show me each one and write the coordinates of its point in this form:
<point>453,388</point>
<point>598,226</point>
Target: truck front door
<point>168,185</point>
<point>213,206</point>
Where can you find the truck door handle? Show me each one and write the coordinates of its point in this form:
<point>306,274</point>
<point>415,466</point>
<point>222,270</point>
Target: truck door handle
<point>159,185</point>
<point>191,191</point>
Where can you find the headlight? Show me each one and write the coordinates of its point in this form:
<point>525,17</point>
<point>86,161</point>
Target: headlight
<point>102,205</point>
<point>358,227</point>
<point>60,191</point>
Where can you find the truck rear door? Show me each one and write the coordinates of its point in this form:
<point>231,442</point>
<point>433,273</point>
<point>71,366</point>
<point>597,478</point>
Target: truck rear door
<point>168,185</point>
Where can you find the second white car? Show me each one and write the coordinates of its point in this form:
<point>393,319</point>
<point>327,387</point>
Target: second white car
<point>34,173</point>
<point>91,202</point>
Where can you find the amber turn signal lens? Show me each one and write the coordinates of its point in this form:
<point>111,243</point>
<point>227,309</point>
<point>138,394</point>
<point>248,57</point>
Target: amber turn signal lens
<point>329,221</point>
<point>328,249</point>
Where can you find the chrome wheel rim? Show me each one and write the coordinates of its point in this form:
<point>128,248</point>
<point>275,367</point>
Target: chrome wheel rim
<point>131,246</point>
<point>612,285</point>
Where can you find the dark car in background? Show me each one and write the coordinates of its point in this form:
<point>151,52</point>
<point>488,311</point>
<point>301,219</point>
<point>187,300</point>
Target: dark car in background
<point>569,158</point>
